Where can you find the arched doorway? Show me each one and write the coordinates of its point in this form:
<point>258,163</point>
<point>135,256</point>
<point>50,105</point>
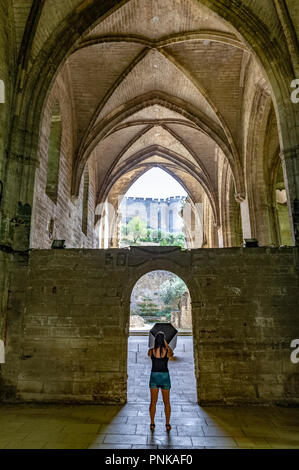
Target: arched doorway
<point>161,297</point>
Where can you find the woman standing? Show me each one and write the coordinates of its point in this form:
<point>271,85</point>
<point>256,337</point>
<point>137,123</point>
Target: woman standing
<point>160,378</point>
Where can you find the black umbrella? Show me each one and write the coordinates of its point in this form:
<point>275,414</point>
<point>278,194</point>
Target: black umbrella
<point>169,331</point>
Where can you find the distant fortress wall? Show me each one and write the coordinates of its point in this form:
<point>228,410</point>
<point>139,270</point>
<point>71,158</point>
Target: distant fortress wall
<point>158,214</point>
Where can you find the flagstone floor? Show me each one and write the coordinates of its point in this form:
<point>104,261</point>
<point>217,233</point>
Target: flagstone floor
<point>127,427</point>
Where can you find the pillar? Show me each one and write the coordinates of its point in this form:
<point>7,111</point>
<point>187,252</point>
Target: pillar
<point>242,199</point>
<point>290,166</point>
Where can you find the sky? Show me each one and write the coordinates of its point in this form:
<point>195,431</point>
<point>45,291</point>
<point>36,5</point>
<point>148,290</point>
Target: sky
<point>156,183</point>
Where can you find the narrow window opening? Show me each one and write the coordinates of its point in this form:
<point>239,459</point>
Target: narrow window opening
<point>85,202</point>
<point>159,220</point>
<point>171,221</point>
<point>54,155</point>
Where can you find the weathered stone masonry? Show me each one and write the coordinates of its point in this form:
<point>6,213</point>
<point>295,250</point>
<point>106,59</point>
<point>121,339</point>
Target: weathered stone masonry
<point>68,322</point>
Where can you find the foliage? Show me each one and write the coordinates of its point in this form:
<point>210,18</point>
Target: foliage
<point>166,313</point>
<point>172,291</point>
<point>135,229</point>
<point>147,308</point>
<point>171,239</point>
<point>136,232</point>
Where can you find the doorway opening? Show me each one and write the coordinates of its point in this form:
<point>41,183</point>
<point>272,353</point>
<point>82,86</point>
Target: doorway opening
<point>161,297</point>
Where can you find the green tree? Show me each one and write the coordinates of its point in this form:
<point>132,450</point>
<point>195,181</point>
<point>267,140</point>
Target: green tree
<point>135,229</point>
<point>172,291</point>
<point>147,307</point>
<point>170,239</point>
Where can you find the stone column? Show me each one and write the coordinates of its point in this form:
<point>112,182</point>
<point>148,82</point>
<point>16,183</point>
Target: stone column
<point>274,221</point>
<point>290,165</point>
<point>220,237</point>
<point>106,228</point>
<point>242,199</point>
<point>18,190</point>
<point>198,238</point>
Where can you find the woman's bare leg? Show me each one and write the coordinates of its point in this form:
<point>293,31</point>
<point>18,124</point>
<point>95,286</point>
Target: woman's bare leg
<point>154,399</point>
<point>167,408</point>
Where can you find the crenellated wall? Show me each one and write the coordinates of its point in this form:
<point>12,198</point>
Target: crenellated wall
<point>68,322</point>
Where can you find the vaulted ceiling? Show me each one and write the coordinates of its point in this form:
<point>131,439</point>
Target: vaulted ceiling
<point>158,83</point>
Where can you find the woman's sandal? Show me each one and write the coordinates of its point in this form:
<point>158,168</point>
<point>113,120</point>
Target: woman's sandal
<point>152,427</point>
<point>168,427</point>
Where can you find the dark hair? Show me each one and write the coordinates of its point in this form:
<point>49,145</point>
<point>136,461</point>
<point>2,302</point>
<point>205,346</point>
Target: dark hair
<point>159,341</point>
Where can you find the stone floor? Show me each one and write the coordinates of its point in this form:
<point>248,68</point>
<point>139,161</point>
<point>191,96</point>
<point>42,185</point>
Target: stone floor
<point>127,427</point>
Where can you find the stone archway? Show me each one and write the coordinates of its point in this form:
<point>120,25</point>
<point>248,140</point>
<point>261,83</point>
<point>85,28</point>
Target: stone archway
<point>166,261</point>
<point>181,367</point>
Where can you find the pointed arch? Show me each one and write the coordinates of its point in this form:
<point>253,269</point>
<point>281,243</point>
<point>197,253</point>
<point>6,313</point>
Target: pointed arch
<point>208,127</point>
<point>137,159</point>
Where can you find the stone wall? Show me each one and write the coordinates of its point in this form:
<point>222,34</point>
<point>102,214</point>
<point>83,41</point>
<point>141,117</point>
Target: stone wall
<point>183,317</point>
<point>63,217</point>
<point>69,310</point>
<point>6,76</point>
<point>5,270</point>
